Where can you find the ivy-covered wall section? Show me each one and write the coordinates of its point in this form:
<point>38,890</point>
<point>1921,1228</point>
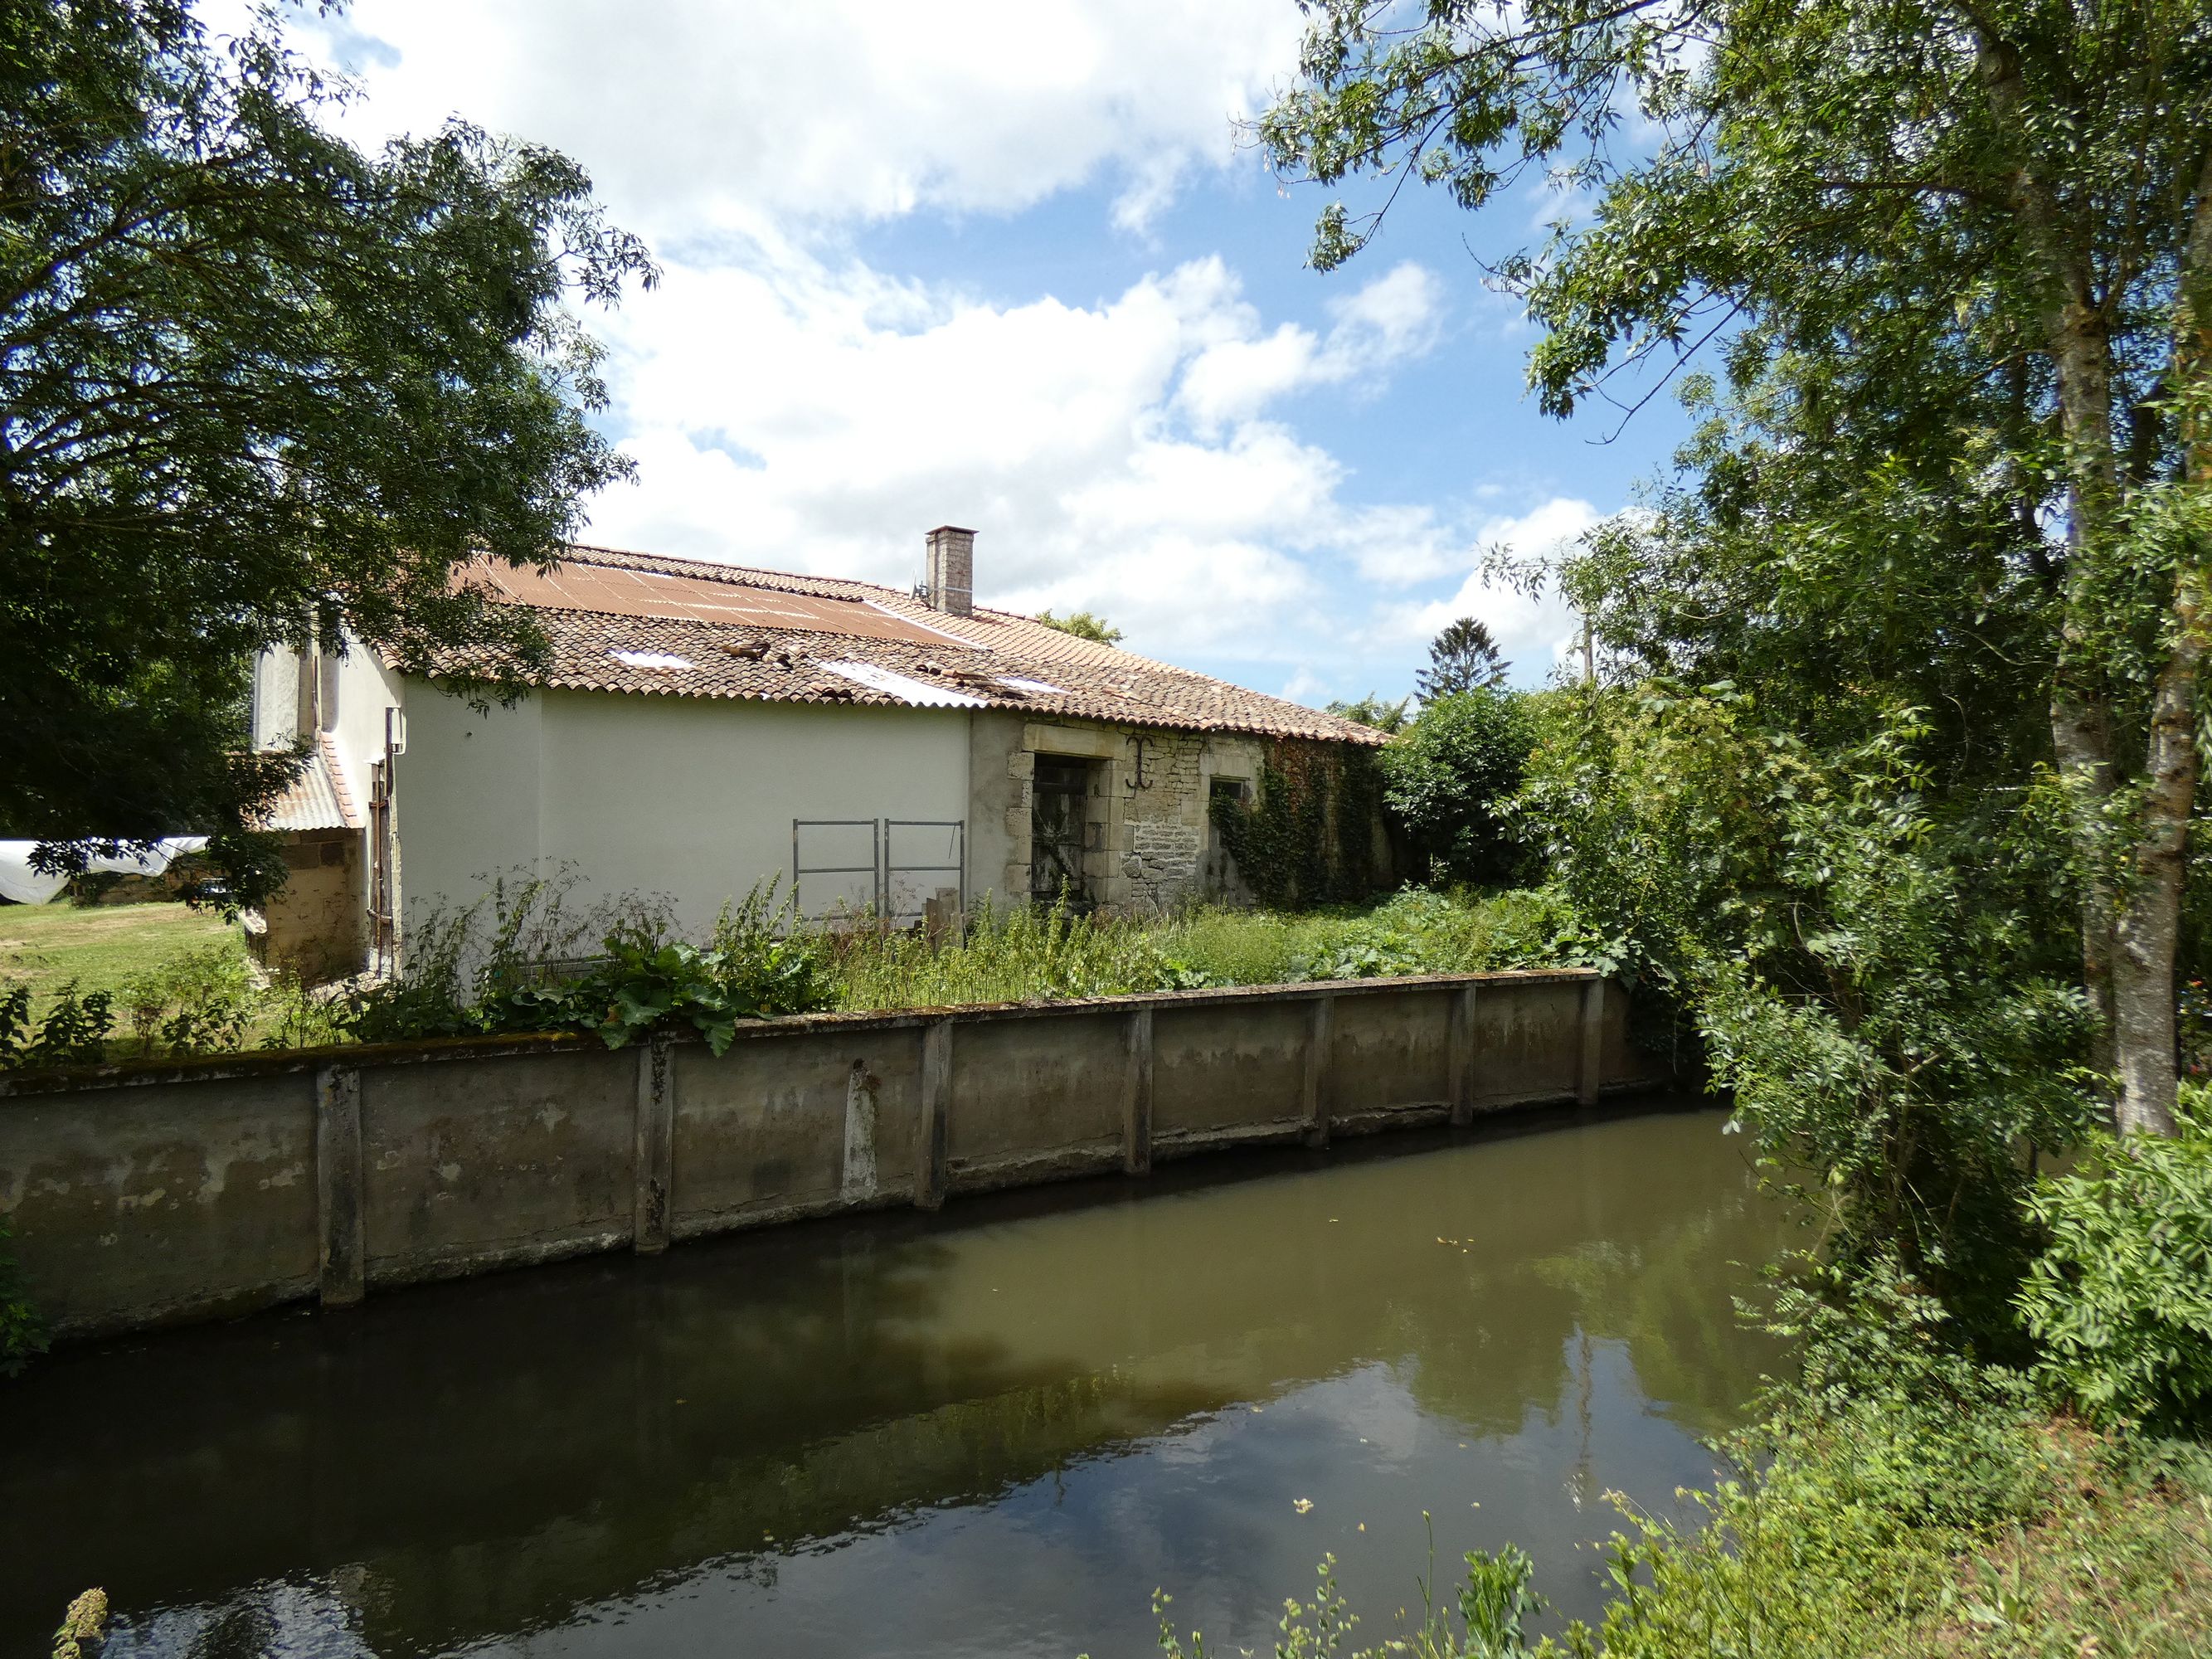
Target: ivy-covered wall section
<point>1315,834</point>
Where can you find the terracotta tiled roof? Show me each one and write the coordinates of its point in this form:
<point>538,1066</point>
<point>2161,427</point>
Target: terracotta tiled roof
<point>636,623</point>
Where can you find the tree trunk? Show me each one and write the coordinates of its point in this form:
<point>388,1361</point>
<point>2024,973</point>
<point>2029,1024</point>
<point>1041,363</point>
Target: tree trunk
<point>2080,715</point>
<point>2150,924</point>
<point>2077,335</point>
<point>2081,744</point>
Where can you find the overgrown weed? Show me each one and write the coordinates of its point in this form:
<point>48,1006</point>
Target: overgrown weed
<point>524,958</point>
<point>1032,954</point>
<point>532,955</point>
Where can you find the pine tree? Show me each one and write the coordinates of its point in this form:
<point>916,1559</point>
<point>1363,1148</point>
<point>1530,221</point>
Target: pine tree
<point>1463,658</point>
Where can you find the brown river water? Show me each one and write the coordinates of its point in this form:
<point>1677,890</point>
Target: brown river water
<point>990,1431</point>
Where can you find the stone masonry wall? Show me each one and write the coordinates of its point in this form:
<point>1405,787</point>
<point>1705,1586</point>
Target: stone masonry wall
<point>1165,828</point>
<point>1149,829</point>
<point>315,924</point>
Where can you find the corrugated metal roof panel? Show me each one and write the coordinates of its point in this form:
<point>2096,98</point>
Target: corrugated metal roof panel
<point>318,799</point>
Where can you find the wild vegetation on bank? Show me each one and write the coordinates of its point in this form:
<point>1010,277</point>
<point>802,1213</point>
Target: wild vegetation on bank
<point>1898,1501</point>
<point>528,958</point>
<point>1885,769</point>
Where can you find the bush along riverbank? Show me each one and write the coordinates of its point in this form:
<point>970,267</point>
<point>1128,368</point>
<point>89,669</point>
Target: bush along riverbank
<point>1898,1498</point>
<point>1885,762</point>
<point>1996,1444</point>
<point>528,957</point>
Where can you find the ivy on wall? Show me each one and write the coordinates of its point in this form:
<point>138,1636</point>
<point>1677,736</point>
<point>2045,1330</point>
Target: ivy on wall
<point>1310,838</point>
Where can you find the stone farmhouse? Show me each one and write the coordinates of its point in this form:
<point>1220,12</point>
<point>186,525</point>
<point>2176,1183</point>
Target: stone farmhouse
<point>702,728</point>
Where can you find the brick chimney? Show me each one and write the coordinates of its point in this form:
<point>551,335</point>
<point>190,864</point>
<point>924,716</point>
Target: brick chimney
<point>952,570</point>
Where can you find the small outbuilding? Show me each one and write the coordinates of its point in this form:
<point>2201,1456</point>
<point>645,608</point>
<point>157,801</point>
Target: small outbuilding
<point>702,729</point>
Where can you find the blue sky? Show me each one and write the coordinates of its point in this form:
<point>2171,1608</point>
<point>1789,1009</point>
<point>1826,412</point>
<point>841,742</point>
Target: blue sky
<point>1004,264</point>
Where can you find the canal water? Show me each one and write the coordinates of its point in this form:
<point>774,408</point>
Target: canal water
<point>991,1432</point>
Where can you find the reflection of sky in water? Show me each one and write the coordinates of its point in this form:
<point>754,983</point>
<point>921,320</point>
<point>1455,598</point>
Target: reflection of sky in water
<point>1066,1564</point>
<point>992,1434</point>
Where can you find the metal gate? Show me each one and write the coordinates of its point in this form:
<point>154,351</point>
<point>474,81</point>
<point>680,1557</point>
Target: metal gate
<point>886,870</point>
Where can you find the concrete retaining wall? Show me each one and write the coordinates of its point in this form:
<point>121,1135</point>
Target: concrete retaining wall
<point>148,1195</point>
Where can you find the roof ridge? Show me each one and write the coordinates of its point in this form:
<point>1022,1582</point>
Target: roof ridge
<point>718,570</point>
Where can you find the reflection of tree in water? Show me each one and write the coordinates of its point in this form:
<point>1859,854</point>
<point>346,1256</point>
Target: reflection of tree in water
<point>240,1631</point>
<point>1580,1473</point>
<point>498,1454</point>
<point>267,1621</point>
<point>1692,1351</point>
<point>1620,1267</point>
<point>500,1459</point>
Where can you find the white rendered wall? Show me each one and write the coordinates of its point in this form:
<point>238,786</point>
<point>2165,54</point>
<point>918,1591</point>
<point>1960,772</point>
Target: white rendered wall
<point>686,798</point>
<point>365,691</point>
<point>356,689</point>
<point>466,800</point>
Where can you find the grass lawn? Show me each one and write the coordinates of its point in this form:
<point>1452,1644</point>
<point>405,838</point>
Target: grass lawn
<point>101,946</point>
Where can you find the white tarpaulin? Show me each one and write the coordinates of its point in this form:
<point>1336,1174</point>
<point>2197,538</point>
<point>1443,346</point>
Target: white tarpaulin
<point>20,882</point>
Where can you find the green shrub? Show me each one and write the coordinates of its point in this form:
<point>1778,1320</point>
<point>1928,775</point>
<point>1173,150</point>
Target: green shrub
<point>2121,1298</point>
<point>1868,966</point>
<point>519,960</point>
<point>1905,1500</point>
<point>647,982</point>
<point>524,957</point>
<point>203,1002</point>
<point>1023,953</point>
<point>1487,1619</point>
<point>206,1001</point>
<point>72,1031</point>
<point>1418,931</point>
<point>1447,776</point>
<point>460,964</point>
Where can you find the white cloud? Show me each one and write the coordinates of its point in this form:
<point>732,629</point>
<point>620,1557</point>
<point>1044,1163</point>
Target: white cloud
<point>1394,317</point>
<point>790,404</point>
<point>794,412</point>
<point>1533,631</point>
<point>699,117</point>
<point>1397,316</point>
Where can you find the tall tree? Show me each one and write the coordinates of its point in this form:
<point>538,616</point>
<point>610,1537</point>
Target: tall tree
<point>256,387</point>
<point>1463,658</point>
<point>1867,196</point>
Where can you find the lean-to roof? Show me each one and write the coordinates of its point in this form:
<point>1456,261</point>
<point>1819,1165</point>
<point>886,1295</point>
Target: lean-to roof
<point>316,797</point>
